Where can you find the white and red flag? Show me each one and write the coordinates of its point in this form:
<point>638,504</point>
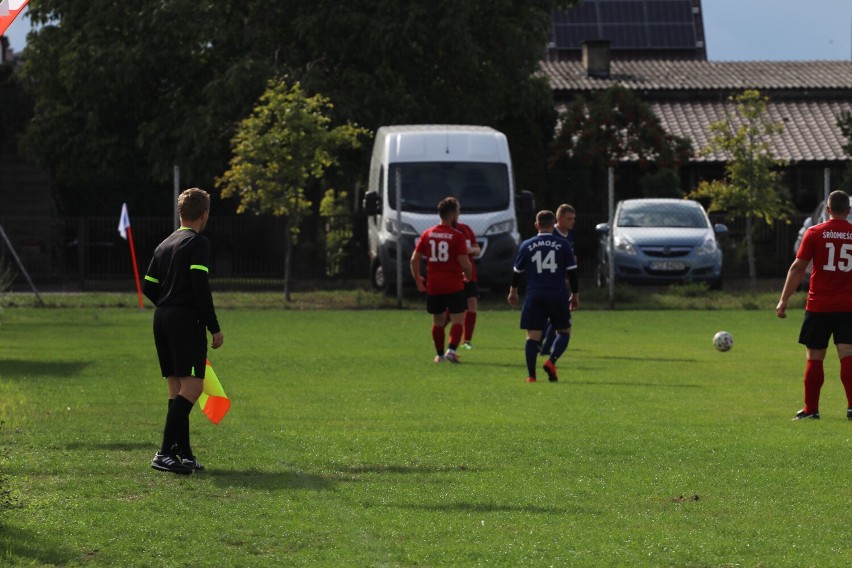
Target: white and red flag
<point>127,234</point>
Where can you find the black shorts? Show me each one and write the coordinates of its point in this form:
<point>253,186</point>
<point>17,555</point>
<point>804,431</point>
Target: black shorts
<point>456,303</point>
<point>181,341</point>
<point>541,306</point>
<point>471,289</point>
<point>818,327</point>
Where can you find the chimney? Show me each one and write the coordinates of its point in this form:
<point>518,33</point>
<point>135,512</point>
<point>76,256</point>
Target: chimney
<point>596,58</point>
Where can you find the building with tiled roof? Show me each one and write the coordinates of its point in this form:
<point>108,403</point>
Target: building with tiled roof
<point>806,97</point>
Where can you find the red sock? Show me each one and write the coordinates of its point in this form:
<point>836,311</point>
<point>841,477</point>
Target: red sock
<point>469,323</point>
<point>455,335</point>
<point>814,377</point>
<point>846,378</point>
<point>438,338</point>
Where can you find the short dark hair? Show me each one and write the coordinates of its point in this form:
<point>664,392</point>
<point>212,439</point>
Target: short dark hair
<point>563,209</point>
<point>838,201</point>
<point>545,219</point>
<point>447,207</point>
<point>192,203</point>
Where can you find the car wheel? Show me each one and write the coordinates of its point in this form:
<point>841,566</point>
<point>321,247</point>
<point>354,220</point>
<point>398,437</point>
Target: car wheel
<point>601,276</point>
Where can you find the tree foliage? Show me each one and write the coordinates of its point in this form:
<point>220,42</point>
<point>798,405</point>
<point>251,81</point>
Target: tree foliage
<point>749,188</point>
<point>610,127</point>
<point>283,147</point>
<point>614,125</point>
<point>125,90</point>
<point>844,122</point>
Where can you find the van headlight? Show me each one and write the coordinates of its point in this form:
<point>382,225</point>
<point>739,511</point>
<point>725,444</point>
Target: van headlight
<point>390,225</point>
<point>708,246</point>
<point>501,227</point>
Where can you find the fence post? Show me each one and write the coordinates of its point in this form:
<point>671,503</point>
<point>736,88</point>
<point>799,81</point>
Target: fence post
<point>82,249</point>
<point>611,235</point>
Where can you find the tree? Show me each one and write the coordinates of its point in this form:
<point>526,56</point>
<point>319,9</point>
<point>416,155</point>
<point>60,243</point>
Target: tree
<point>844,122</point>
<point>615,125</point>
<point>286,144</point>
<point>749,189</point>
<point>125,90</point>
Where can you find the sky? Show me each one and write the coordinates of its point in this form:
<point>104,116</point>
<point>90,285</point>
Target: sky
<point>735,30</point>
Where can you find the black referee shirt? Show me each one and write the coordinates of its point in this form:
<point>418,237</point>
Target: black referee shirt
<point>178,275</point>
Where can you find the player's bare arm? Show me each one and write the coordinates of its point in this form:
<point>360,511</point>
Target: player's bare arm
<point>467,269</point>
<point>795,276</point>
<point>416,257</point>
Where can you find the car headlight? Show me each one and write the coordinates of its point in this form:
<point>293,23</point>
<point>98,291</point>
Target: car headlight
<point>624,245</point>
<point>502,227</point>
<point>407,229</point>
<point>708,246</point>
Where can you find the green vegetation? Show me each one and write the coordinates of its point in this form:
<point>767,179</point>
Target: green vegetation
<point>346,445</point>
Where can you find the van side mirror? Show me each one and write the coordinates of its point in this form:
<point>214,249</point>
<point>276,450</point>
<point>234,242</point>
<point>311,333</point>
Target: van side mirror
<point>372,205</point>
<point>525,203</point>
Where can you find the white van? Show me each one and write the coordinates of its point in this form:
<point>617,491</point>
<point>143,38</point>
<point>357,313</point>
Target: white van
<point>431,161</point>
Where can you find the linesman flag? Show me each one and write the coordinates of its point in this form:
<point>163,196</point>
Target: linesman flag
<point>127,234</point>
<point>214,403</point>
<point>9,10</point>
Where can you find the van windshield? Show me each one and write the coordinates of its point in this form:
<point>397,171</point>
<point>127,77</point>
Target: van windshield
<point>478,186</point>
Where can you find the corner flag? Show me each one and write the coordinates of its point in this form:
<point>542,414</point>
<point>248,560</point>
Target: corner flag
<point>9,10</point>
<point>127,234</point>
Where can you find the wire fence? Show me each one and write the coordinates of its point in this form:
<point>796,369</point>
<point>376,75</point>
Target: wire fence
<point>87,253</point>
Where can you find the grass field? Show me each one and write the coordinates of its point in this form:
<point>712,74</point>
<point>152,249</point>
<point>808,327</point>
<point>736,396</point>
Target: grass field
<point>347,446</point>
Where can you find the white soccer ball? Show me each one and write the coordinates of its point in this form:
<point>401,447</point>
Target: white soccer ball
<point>723,341</point>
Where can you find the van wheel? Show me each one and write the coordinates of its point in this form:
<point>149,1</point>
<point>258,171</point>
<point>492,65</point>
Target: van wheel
<point>380,280</point>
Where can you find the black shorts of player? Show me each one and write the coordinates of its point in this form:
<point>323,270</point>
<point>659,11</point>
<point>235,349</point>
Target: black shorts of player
<point>181,342</point>
<point>471,289</point>
<point>818,327</point>
<point>539,306</point>
<point>456,303</point>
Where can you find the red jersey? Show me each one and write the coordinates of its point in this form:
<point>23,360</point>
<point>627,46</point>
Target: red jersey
<point>470,240</point>
<point>829,246</point>
<point>441,246</point>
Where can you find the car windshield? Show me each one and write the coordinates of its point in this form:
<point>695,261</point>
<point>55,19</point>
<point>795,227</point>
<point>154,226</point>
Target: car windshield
<point>661,215</point>
<point>478,186</point>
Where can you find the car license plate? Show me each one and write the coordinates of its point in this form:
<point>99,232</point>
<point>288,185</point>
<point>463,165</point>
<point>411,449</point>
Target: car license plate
<point>667,266</point>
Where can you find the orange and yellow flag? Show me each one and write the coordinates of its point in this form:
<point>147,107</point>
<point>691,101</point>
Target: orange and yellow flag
<point>213,400</point>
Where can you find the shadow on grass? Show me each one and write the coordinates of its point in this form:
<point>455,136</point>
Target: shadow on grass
<point>20,544</point>
<point>268,480</point>
<point>642,358</point>
<point>16,368</point>
<point>112,446</point>
<point>631,384</point>
<point>406,469</point>
<point>464,507</point>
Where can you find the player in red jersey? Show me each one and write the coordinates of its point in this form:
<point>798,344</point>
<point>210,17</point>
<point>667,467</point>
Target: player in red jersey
<point>471,287</point>
<point>829,306</point>
<point>448,267</point>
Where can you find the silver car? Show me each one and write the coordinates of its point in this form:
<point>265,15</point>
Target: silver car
<point>819,216</point>
<point>661,241</point>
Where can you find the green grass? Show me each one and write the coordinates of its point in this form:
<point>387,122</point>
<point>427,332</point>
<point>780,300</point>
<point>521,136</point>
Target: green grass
<point>346,445</point>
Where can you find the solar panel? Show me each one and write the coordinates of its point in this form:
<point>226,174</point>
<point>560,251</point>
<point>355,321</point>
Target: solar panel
<point>628,24</point>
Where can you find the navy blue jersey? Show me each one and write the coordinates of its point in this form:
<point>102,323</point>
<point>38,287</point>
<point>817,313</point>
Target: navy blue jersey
<point>545,258</point>
<point>569,235</point>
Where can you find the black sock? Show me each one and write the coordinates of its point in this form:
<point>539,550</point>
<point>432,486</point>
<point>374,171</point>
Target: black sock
<point>183,428</point>
<point>177,425</point>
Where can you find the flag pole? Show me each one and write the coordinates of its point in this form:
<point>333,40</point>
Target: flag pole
<point>135,267</point>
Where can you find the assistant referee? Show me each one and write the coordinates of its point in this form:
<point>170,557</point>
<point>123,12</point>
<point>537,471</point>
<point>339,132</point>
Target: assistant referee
<point>177,283</point>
